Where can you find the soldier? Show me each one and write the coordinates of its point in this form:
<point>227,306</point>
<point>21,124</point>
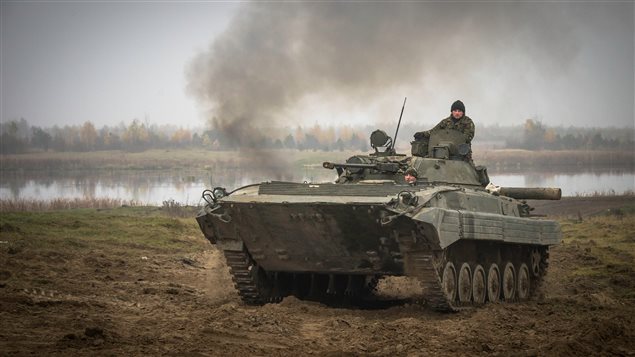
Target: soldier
<point>457,120</point>
<point>410,176</point>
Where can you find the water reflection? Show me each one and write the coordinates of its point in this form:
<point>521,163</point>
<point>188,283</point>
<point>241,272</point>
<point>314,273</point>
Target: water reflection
<point>152,187</point>
<point>185,186</point>
<point>571,184</point>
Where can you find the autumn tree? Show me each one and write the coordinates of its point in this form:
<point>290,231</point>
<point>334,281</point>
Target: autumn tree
<point>181,137</point>
<point>534,134</point>
<point>136,136</point>
<point>87,136</point>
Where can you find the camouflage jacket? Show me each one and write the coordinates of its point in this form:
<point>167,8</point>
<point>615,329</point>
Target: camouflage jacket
<point>464,125</point>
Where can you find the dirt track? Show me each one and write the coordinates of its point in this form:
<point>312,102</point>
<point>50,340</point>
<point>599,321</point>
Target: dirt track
<point>102,302</point>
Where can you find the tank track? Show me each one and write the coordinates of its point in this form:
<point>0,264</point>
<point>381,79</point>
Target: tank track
<point>426,266</point>
<point>544,265</point>
<point>423,268</point>
<point>255,288</point>
<point>427,269</point>
<point>245,278</point>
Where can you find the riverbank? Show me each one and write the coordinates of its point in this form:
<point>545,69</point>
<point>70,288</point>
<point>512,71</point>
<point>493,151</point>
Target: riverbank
<point>166,159</point>
<point>273,159</point>
<point>134,280</point>
<point>585,206</point>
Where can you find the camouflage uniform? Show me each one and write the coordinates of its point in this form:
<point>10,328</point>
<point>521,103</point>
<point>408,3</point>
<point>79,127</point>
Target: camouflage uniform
<point>464,125</point>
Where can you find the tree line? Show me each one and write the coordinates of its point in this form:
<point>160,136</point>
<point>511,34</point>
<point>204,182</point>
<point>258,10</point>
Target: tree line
<point>18,136</point>
<point>538,136</point>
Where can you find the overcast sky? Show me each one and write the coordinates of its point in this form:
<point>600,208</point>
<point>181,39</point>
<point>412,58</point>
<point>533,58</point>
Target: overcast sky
<point>183,63</point>
<point>68,62</point>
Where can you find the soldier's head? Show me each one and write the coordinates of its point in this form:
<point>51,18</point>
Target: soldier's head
<point>410,176</point>
<point>457,109</point>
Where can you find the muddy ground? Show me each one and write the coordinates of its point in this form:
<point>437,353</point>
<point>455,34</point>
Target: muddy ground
<point>94,300</point>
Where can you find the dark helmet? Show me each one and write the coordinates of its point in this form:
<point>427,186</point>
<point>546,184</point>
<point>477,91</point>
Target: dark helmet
<point>411,171</point>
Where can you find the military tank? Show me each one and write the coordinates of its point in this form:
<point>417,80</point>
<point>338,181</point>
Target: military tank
<point>465,241</point>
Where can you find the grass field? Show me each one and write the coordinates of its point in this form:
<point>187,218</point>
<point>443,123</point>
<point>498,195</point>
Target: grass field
<point>605,246</point>
<point>179,159</point>
<point>123,229</point>
<point>25,205</point>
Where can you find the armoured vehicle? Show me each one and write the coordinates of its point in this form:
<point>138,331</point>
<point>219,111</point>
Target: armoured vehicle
<point>467,244</point>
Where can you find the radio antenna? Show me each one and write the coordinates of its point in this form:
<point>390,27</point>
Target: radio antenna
<point>398,124</point>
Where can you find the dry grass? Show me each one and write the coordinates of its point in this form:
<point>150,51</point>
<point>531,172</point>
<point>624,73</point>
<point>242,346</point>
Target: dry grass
<point>173,208</point>
<point>561,159</point>
<point>605,244</point>
<point>178,159</point>
<point>124,230</point>
<point>170,208</point>
<point>26,205</point>
<point>608,193</point>
<point>166,159</point>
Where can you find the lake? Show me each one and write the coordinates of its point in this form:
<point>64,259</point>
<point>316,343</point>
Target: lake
<point>185,186</point>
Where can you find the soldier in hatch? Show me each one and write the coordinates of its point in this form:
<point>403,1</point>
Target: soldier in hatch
<point>457,120</point>
<point>410,176</point>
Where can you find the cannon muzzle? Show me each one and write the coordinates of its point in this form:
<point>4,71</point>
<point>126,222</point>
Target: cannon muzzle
<point>531,193</point>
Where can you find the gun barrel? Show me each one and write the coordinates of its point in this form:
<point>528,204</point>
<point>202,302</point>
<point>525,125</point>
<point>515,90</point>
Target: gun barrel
<point>381,166</point>
<point>332,165</point>
<point>532,193</point>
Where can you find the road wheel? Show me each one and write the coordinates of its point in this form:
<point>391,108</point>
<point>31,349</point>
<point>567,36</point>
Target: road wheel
<point>493,283</point>
<point>479,285</point>
<point>448,282</point>
<point>465,284</point>
<point>523,282</point>
<point>509,282</point>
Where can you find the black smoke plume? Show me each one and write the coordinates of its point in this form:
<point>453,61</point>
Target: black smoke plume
<point>272,55</point>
